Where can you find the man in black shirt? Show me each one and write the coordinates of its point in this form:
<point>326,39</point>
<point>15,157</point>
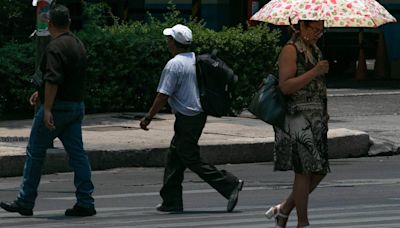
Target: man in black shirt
<point>60,115</point>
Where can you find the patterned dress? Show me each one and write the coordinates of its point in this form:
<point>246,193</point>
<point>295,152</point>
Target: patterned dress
<point>302,145</point>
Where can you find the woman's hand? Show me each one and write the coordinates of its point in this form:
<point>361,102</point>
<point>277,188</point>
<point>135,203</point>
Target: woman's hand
<point>321,68</point>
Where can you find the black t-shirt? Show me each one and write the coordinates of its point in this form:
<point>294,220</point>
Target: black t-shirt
<point>64,64</point>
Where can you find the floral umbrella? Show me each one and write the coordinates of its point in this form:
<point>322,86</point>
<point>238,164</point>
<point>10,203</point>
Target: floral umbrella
<point>335,13</point>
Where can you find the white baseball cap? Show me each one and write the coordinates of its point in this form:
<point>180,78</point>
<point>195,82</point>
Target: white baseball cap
<point>180,33</point>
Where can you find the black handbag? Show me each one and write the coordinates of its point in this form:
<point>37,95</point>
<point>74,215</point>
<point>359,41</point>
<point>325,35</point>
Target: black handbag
<point>269,103</point>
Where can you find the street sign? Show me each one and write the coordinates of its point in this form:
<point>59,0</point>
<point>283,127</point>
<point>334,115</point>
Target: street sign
<point>42,17</point>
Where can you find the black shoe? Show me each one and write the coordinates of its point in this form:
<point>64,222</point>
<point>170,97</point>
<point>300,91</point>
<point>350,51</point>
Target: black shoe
<point>80,211</point>
<point>163,208</point>
<point>16,207</point>
<point>233,199</point>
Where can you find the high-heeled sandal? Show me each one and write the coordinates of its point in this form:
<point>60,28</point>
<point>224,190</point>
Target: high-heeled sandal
<point>275,212</point>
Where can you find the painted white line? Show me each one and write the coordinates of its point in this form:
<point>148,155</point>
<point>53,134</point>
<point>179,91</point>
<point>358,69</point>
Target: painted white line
<point>338,183</point>
<point>364,94</point>
<point>143,217</point>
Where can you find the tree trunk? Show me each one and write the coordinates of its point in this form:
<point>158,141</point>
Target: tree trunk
<point>196,9</point>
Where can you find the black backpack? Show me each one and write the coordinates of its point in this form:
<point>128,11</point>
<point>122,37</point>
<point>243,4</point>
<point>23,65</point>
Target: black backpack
<point>215,80</point>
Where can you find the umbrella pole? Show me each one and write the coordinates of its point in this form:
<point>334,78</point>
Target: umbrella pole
<point>362,65</point>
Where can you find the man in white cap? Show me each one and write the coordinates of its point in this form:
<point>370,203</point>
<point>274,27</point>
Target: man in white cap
<point>178,87</point>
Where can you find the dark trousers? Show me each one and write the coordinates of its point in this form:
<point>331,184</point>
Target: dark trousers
<point>185,153</point>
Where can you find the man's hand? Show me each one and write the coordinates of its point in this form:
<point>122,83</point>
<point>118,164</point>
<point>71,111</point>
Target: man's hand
<point>34,99</point>
<point>48,120</point>
<point>159,102</point>
<point>144,122</point>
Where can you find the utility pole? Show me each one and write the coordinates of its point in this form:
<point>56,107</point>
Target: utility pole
<point>42,37</point>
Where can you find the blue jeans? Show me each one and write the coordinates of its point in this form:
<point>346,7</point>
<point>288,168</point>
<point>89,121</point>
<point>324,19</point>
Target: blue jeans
<point>67,118</point>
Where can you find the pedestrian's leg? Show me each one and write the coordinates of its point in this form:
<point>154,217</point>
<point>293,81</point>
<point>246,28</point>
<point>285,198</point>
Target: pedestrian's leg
<point>288,204</point>
<point>187,148</point>
<point>301,190</point>
<point>39,140</point>
<point>171,191</point>
<point>71,138</point>
<point>315,180</point>
<point>221,180</point>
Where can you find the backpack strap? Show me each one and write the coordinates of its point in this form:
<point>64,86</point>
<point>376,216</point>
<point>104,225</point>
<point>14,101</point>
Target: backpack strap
<point>200,79</point>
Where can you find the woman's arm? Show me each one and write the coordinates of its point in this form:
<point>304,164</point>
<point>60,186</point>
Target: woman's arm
<point>288,82</point>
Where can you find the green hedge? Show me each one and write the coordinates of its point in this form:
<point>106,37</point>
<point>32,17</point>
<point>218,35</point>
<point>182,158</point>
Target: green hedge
<point>16,67</point>
<point>126,60</point>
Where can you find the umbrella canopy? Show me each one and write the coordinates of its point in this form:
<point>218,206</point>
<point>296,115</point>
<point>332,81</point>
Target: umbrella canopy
<point>335,13</point>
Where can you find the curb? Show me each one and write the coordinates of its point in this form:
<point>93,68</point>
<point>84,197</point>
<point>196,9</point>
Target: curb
<point>342,143</point>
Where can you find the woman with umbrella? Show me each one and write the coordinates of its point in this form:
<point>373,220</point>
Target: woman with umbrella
<point>302,145</point>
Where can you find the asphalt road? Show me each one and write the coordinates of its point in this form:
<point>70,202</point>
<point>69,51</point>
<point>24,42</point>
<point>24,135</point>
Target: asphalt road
<point>362,192</point>
<point>374,111</point>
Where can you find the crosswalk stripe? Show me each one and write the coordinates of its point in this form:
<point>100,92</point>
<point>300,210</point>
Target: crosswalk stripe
<point>248,216</point>
<point>351,221</point>
<point>386,225</point>
<point>364,93</point>
<point>272,186</point>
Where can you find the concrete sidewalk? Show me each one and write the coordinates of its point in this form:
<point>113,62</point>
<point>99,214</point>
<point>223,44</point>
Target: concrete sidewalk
<point>115,140</point>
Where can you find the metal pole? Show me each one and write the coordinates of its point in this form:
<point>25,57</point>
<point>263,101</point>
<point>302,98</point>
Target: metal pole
<point>42,35</point>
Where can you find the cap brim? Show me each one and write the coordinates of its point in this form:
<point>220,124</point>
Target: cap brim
<point>167,32</point>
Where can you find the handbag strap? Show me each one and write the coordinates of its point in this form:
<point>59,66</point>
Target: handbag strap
<point>300,57</point>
